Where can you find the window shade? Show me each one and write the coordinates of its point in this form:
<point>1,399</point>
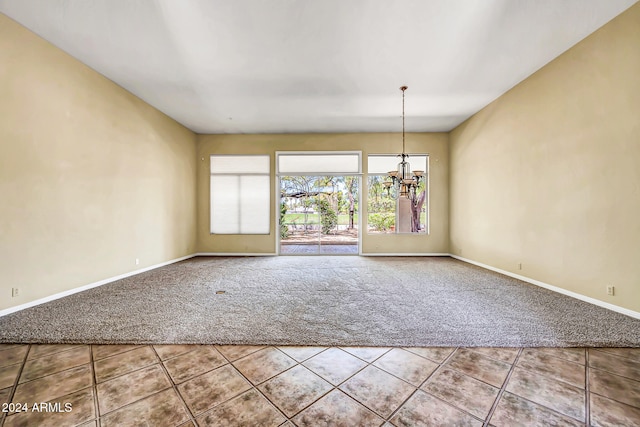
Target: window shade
<point>240,195</point>
<point>224,164</point>
<point>318,163</point>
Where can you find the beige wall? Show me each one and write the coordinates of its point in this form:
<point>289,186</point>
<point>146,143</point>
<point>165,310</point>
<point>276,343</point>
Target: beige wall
<point>548,175</point>
<point>434,144</point>
<point>91,177</point>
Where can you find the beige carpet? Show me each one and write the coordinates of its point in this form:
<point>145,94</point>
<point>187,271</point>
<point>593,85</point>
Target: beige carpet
<point>322,300</point>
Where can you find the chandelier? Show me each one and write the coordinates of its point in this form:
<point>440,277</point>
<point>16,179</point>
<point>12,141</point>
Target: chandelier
<point>402,182</point>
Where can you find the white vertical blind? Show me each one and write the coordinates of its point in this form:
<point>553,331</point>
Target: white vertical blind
<point>240,195</point>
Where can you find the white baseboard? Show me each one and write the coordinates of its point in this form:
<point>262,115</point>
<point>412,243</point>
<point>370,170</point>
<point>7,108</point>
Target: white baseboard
<point>235,254</point>
<point>89,286</point>
<point>581,297</point>
<point>403,254</point>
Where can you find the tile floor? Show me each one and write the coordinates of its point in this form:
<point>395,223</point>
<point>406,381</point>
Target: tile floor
<point>188,385</point>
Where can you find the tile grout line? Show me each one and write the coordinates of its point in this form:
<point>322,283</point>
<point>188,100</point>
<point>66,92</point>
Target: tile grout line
<point>134,402</point>
<point>586,386</point>
<point>587,390</point>
<point>279,373</point>
<point>10,396</point>
<point>368,364</point>
<point>94,385</point>
<point>192,418</point>
<point>608,352</point>
<point>440,366</point>
<point>312,403</point>
<point>26,360</point>
<point>336,387</point>
<point>55,353</point>
<point>609,371</point>
<point>16,382</point>
<point>555,411</point>
<point>402,379</point>
<point>255,386</point>
<point>127,373</point>
<point>333,387</point>
<point>237,358</point>
<point>502,389</point>
<point>252,386</point>
<point>551,377</point>
<point>137,346</point>
<point>308,358</point>
<point>548,376</point>
<point>374,360</point>
<point>613,398</point>
<point>119,354</point>
<point>413,393</point>
<point>462,372</point>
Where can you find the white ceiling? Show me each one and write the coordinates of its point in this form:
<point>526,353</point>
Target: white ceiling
<point>256,66</point>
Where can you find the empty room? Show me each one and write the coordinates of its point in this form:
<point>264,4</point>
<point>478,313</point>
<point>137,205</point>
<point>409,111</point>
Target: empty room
<point>319,213</point>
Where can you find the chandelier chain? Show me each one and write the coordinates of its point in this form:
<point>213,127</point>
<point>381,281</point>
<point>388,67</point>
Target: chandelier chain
<point>403,88</point>
<point>403,181</point>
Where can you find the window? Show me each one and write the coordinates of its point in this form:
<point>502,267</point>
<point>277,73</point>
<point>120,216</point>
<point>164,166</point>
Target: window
<point>318,163</point>
<point>240,194</point>
<point>387,215</point>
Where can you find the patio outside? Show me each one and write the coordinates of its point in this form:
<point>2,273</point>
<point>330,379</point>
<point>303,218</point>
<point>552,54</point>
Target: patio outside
<point>319,215</point>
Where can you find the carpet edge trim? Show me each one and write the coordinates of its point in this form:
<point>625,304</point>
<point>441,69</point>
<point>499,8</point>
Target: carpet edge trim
<point>566,292</point>
<point>89,286</point>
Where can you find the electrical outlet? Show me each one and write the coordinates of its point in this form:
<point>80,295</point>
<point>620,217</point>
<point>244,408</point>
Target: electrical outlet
<point>15,292</point>
<point>611,290</point>
<point>519,266</point>
<point>137,261</point>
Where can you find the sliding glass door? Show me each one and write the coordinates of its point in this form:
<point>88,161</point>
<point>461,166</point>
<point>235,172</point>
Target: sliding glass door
<point>318,212</point>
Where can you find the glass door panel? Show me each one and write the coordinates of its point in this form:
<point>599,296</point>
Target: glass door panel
<point>319,215</point>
